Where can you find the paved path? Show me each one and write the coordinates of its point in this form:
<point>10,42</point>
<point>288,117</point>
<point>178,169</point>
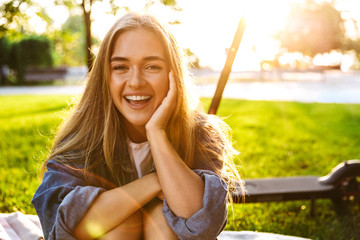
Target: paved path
<point>325,92</point>
<point>333,89</point>
<point>327,87</point>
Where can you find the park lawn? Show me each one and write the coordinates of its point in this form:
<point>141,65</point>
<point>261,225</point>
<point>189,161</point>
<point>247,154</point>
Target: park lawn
<point>290,139</point>
<point>274,138</point>
<point>27,124</point>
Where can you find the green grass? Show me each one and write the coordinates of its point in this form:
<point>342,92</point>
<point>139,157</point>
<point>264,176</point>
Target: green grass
<point>274,138</point>
<point>27,124</point>
<point>290,139</point>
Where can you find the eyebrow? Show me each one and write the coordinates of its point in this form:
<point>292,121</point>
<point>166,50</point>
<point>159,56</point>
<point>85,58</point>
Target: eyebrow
<point>149,58</point>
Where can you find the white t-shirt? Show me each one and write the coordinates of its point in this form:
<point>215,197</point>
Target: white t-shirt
<point>140,155</point>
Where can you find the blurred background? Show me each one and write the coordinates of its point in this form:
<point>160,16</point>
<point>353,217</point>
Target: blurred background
<point>292,99</point>
<point>284,40</point>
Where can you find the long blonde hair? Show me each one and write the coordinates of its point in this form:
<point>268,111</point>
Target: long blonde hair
<point>94,129</point>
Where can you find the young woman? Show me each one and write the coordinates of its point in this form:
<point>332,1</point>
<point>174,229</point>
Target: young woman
<point>135,160</point>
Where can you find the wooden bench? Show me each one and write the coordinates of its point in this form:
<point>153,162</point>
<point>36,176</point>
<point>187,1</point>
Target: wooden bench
<point>35,74</point>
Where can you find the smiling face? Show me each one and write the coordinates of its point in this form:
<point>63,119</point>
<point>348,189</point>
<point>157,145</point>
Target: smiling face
<point>138,78</point>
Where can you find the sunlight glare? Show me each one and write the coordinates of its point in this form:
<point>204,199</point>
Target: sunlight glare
<point>207,28</point>
<point>264,19</point>
<point>94,229</point>
<point>59,14</point>
<point>34,20</point>
<point>103,18</point>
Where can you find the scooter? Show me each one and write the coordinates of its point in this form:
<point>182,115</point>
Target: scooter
<point>341,184</point>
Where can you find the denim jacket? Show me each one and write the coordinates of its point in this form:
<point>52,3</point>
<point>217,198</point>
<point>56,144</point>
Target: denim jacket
<point>64,197</point>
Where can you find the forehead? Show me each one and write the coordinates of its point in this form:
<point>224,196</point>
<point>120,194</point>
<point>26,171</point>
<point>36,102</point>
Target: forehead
<point>138,43</point>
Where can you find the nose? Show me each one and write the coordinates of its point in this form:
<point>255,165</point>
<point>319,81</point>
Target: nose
<point>136,79</point>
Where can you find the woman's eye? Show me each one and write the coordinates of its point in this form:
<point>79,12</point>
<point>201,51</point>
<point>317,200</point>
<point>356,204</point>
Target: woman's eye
<point>120,68</point>
<point>152,67</point>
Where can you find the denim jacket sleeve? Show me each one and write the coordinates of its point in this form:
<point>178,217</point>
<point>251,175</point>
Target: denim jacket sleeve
<point>62,200</point>
<point>211,219</point>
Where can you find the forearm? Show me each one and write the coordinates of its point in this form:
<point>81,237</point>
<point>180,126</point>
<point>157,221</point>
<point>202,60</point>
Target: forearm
<point>183,189</point>
<point>114,206</point>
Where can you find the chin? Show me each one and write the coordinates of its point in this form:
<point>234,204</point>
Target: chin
<point>138,122</point>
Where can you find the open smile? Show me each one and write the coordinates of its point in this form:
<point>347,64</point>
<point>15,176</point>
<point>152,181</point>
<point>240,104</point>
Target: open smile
<point>137,101</point>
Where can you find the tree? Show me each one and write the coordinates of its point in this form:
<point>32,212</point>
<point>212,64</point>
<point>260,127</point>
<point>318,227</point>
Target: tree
<point>69,42</point>
<point>86,7</point>
<point>313,28</point>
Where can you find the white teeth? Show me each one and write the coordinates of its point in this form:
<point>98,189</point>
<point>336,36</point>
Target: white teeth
<point>137,98</point>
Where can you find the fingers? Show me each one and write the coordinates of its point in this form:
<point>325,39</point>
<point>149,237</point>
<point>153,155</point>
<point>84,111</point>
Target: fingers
<point>165,110</point>
<point>172,84</point>
<point>171,79</point>
<point>172,87</point>
<point>160,196</point>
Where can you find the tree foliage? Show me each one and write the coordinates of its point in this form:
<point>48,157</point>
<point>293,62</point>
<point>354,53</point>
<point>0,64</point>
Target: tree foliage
<point>353,45</point>
<point>75,33</point>
<point>14,20</point>
<point>4,50</point>
<point>193,60</point>
<point>69,42</point>
<point>313,28</point>
<point>10,14</point>
<point>29,52</point>
<point>86,7</point>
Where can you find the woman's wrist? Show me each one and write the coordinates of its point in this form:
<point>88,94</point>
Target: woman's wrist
<point>154,181</point>
<point>152,133</point>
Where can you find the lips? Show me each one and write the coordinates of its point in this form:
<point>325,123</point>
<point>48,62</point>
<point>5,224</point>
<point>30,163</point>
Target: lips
<point>137,100</point>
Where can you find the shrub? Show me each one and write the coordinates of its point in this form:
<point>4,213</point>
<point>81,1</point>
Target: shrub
<point>5,46</point>
<point>32,51</point>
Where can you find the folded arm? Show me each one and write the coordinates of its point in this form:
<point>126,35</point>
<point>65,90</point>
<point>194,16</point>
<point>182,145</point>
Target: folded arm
<point>67,206</point>
<point>104,215</point>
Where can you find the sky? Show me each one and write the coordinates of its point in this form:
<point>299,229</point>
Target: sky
<point>208,26</point>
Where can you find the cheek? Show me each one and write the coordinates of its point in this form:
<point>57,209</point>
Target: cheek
<point>115,89</point>
<point>162,87</point>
